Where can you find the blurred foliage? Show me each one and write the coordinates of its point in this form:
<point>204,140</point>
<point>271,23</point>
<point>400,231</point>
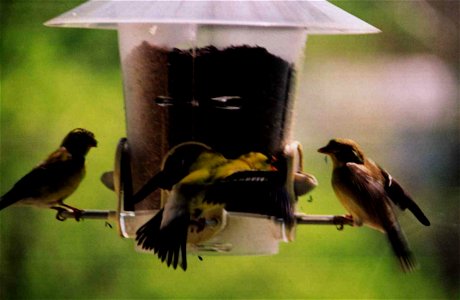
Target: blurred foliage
<point>54,80</point>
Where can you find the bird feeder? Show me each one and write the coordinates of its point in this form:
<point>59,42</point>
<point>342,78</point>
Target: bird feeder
<point>220,73</point>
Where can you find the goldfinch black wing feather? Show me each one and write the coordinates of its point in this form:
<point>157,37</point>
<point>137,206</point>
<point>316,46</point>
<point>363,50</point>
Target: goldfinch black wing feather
<point>168,243</point>
<point>261,192</point>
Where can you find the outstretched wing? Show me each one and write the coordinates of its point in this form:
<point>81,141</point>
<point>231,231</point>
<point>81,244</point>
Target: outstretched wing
<point>261,192</point>
<point>169,242</point>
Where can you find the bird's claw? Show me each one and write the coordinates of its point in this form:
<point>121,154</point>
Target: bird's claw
<point>341,221</point>
<point>62,216</point>
<point>77,214</point>
<point>59,214</point>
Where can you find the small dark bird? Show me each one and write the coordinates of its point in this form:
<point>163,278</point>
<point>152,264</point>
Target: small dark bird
<point>56,178</point>
<point>369,194</point>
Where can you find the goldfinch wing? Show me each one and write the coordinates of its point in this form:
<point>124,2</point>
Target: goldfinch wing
<point>261,192</point>
<point>169,242</point>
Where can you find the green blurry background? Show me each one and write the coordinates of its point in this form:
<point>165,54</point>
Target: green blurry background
<point>395,92</point>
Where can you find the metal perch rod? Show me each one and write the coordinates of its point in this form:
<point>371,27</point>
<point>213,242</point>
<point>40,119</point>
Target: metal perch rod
<point>302,219</point>
<point>340,221</point>
<point>89,214</point>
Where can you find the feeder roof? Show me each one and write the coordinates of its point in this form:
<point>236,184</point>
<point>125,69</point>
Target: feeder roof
<point>318,17</point>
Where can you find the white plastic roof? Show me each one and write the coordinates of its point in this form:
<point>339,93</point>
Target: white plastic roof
<point>318,17</point>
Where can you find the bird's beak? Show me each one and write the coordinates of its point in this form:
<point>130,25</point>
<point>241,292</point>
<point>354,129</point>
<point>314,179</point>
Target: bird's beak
<point>324,150</point>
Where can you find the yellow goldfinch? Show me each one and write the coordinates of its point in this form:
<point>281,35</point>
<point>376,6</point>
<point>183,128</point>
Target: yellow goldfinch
<point>169,230</point>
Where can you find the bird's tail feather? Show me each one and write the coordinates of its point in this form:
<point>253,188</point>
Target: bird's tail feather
<point>413,207</point>
<point>401,249</point>
<point>168,243</point>
<point>403,200</point>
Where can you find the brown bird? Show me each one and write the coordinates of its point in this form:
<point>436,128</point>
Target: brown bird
<point>56,178</point>
<point>369,194</point>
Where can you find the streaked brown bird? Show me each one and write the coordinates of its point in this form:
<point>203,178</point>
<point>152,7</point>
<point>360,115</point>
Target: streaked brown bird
<point>370,195</point>
<point>56,178</point>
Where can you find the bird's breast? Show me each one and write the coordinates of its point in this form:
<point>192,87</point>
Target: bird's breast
<point>354,200</point>
<point>64,184</point>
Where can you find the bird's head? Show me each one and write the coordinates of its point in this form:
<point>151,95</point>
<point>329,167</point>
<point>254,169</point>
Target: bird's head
<point>343,151</point>
<point>179,160</point>
<point>79,141</point>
